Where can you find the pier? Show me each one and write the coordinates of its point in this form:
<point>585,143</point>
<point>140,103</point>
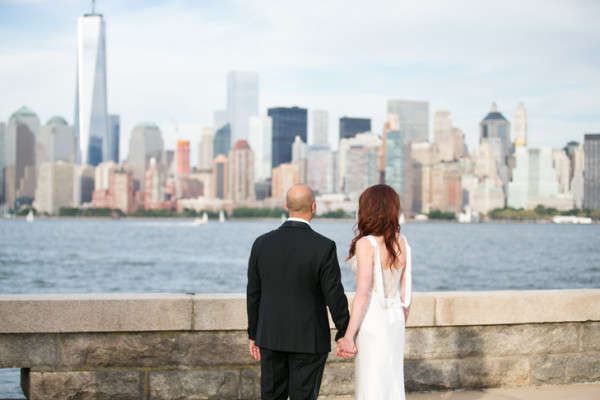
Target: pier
<point>195,346</point>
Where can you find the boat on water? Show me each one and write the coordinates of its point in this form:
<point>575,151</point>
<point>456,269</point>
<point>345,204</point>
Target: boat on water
<point>283,217</point>
<point>201,221</point>
<point>221,216</point>
<point>570,219</point>
<point>29,217</point>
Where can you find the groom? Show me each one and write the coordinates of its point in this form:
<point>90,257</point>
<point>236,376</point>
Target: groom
<point>293,274</point>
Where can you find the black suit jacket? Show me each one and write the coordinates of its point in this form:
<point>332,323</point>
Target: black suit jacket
<point>293,274</point>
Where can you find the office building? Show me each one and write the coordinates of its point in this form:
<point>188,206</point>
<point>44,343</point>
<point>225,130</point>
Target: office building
<point>496,129</point>
<point>577,180</point>
<point>84,187</point>
<point>241,173</point>
<point>56,141</point>
<point>591,183</point>
<point>320,128</point>
<point>2,161</point>
<point>20,164</point>
<point>397,167</point>
<point>205,149</point>
<point>424,155</point>
<point>299,157</point>
<point>222,141</point>
<point>446,188</point>
<point>360,141</point>
<point>220,178</point>
<point>119,193</point>
<point>287,124</point>
<point>413,118</point>
<point>154,187</point>
<point>242,102</point>
<point>487,191</point>
<point>284,176</point>
<point>91,115</point>
<point>362,169</point>
<point>261,140</point>
<point>55,187</point>
<point>350,127</point>
<point>145,143</point>
<point>321,169</point>
<point>183,158</point>
<point>114,136</point>
<point>519,125</point>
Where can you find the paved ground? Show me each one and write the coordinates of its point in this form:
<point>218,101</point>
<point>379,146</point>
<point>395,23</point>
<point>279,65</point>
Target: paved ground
<point>590,391</point>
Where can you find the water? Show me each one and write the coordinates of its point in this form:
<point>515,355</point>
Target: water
<point>129,256</point>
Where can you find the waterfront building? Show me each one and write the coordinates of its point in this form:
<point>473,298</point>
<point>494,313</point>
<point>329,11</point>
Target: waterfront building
<point>2,161</point>
<point>114,136</point>
<point>102,174</point>
<point>349,127</point>
<point>56,142</point>
<point>84,187</point>
<point>20,165</point>
<point>591,191</point>
<point>450,140</point>
<point>55,187</point>
<point>120,192</point>
<point>91,116</point>
<point>446,188</point>
<point>220,178</point>
<point>205,149</point>
<point>519,124</point>
<point>412,118</point>
<point>397,166</point>
<point>487,192</point>
<point>562,165</point>
<point>261,140</point>
<point>154,187</point>
<point>535,181</point>
<point>242,102</point>
<point>205,177</point>
<point>577,180</point>
<point>360,141</point>
<point>496,129</point>
<point>146,142</point>
<point>287,124</point>
<point>222,141</point>
<point>320,128</point>
<point>284,176</point>
<point>362,169</point>
<point>183,158</point>
<point>299,156</point>
<point>424,155</point>
<point>241,173</point>
<point>321,169</point>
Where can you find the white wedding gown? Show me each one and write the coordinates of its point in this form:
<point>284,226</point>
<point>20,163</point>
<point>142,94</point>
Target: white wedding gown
<point>379,361</point>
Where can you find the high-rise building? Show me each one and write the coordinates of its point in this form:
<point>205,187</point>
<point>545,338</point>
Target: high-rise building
<point>299,151</point>
<point>261,140</point>
<point>519,125</point>
<point>360,141</point>
<point>2,161</point>
<point>56,141</point>
<point>55,187</point>
<point>222,141</point>
<point>285,176</point>
<point>413,118</point>
<point>321,169</point>
<point>496,129</point>
<point>241,173</point>
<point>183,158</point>
<point>242,102</point>
<point>398,167</point>
<point>591,190</point>
<point>287,124</point>
<point>84,187</point>
<point>362,169</point>
<point>349,127</point>
<point>114,136</point>
<point>205,149</point>
<point>487,192</point>
<point>577,180</point>
<point>220,178</point>
<point>91,115</point>
<point>445,188</point>
<point>117,191</point>
<point>145,143</point>
<point>320,128</point>
<point>424,155</point>
<point>20,165</point>
<point>154,186</point>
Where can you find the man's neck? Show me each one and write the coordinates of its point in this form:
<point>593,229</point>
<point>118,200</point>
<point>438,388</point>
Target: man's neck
<point>302,217</point>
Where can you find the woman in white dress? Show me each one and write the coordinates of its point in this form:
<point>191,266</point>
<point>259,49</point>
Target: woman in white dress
<point>381,259</point>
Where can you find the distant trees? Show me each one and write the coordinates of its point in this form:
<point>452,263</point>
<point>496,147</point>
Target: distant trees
<point>335,214</point>
<point>442,215</point>
<point>539,212</point>
<point>251,212</point>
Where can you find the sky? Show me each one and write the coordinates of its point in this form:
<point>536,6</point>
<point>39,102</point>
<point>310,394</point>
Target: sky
<point>167,61</point>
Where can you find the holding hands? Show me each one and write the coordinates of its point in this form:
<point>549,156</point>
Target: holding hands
<point>345,348</point>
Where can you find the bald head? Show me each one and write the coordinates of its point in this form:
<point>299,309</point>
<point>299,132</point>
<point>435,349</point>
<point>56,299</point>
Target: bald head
<point>300,202</point>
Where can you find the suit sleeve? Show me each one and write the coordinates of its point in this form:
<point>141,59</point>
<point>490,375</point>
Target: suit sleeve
<point>253,291</point>
<point>335,298</point>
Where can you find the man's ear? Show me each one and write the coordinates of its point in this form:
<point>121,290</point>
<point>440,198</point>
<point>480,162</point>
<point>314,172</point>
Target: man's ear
<point>286,207</point>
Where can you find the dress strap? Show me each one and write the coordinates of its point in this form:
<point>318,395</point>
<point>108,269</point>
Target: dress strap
<point>378,272</point>
<point>408,276</point>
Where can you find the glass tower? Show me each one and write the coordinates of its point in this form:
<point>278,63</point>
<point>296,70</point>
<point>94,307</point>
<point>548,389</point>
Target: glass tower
<point>91,117</point>
<point>413,118</point>
<point>287,124</point>
<point>242,103</point>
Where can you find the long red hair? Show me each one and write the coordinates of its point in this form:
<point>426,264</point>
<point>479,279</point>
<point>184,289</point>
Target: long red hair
<point>379,215</point>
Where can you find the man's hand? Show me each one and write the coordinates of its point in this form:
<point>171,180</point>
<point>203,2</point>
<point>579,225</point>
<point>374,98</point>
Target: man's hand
<point>254,351</point>
<point>345,348</point>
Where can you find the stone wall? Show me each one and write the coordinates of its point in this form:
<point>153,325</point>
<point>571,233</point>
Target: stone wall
<point>178,346</point>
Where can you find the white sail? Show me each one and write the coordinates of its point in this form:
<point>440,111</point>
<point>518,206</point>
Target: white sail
<point>221,216</point>
<point>402,219</point>
<point>283,217</point>
<point>29,217</point>
<point>201,221</point>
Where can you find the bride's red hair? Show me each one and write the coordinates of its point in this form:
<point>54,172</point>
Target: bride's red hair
<point>379,215</point>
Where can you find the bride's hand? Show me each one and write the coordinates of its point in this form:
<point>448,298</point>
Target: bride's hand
<point>345,348</point>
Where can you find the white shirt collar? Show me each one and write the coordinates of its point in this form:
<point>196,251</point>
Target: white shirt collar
<point>298,220</point>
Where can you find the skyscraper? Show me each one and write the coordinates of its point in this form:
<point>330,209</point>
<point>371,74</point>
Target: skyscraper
<point>114,135</point>
<point>242,102</point>
<point>2,160</point>
<point>496,129</point>
<point>261,140</point>
<point>398,166</point>
<point>287,124</point>
<point>56,141</point>
<point>320,128</point>
<point>222,141</point>
<point>413,118</point>
<point>91,116</point>
<point>591,174</point>
<point>205,149</point>
<point>241,173</point>
<point>183,157</point>
<point>55,187</point>
<point>520,124</point>
<point>349,127</point>
<point>20,166</point>
<point>220,177</point>
<point>145,143</point>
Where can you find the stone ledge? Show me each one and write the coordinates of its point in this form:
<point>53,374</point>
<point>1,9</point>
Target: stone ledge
<point>199,312</point>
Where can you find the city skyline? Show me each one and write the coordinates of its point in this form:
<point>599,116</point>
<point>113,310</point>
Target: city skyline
<point>543,54</point>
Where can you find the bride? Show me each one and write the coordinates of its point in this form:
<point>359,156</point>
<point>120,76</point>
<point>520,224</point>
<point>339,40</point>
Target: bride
<point>381,260</point>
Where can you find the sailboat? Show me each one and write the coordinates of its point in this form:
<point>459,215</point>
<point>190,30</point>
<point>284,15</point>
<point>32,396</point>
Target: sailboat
<point>221,216</point>
<point>283,217</point>
<point>402,219</point>
<point>29,217</point>
<point>201,221</point>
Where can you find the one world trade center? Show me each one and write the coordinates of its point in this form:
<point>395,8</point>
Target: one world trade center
<point>91,115</point>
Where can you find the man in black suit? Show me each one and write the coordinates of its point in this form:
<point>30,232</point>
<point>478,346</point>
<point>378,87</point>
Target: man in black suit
<point>293,274</point>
